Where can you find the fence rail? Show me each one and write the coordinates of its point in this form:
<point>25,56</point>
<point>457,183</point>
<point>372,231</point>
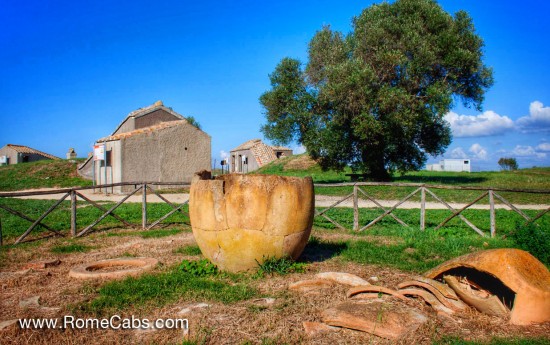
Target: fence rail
<point>359,191</point>
<point>75,193</point>
<point>491,193</point>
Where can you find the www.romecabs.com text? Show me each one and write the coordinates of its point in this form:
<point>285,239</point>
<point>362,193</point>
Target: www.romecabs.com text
<point>113,322</point>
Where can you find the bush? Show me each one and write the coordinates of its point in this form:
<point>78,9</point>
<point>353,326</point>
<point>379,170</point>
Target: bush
<point>535,240</point>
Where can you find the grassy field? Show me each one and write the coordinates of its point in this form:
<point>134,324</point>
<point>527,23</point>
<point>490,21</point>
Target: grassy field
<point>535,178</point>
<point>41,174</point>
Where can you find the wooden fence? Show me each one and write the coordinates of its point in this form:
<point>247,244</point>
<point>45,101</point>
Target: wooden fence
<point>358,192</point>
<point>75,193</point>
<point>358,189</point>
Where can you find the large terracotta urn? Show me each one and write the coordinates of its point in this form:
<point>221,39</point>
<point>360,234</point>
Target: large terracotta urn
<point>241,220</point>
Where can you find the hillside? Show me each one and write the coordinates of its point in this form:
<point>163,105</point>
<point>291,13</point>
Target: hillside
<point>302,165</point>
<point>41,174</point>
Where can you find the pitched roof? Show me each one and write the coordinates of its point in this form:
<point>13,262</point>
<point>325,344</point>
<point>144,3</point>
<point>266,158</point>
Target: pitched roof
<point>262,153</point>
<point>143,130</point>
<point>147,110</point>
<point>30,150</point>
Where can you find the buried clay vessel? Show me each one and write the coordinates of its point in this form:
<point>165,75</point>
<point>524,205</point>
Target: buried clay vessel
<point>241,220</point>
<point>515,276</point>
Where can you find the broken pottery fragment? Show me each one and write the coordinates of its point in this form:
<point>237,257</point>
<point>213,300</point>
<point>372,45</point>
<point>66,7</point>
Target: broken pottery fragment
<point>342,278</point>
<point>449,303</point>
<point>444,289</point>
<point>384,319</point>
<point>489,305</point>
<point>428,298</point>
<point>310,285</point>
<point>314,328</point>
<point>374,288</point>
<point>239,221</point>
<point>514,275</point>
<point>39,265</point>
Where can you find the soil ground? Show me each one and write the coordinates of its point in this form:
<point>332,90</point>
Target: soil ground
<point>255,321</point>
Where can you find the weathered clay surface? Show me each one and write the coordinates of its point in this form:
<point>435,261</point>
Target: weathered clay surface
<point>489,305</point>
<point>521,272</point>
<point>444,289</point>
<point>428,298</point>
<point>374,288</point>
<point>384,319</point>
<point>310,285</point>
<point>342,278</point>
<point>449,303</point>
<point>315,328</point>
<point>241,220</point>
<point>94,270</point>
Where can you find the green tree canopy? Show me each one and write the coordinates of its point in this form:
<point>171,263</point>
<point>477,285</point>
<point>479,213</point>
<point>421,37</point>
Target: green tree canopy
<point>374,99</point>
<point>508,163</point>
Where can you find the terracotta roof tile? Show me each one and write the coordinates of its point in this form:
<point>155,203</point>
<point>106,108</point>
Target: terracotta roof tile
<point>149,129</point>
<point>30,150</point>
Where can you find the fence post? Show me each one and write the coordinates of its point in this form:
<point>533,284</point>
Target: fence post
<point>73,213</point>
<point>492,213</point>
<point>1,243</point>
<point>423,208</point>
<point>144,207</point>
<point>355,209</point>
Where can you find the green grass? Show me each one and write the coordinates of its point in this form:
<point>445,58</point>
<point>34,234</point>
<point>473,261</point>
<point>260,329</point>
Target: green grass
<point>70,248</point>
<point>494,341</point>
<point>159,233</point>
<point>59,219</point>
<point>45,173</point>
<point>188,250</point>
<point>158,289</point>
<point>281,266</point>
<point>535,178</point>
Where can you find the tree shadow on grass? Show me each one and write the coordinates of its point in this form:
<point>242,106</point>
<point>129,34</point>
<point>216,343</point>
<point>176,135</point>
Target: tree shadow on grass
<point>317,250</point>
<point>440,179</point>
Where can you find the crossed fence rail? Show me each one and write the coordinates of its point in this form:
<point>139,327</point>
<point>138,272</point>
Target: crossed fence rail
<point>75,193</point>
<point>423,189</point>
<point>358,189</point>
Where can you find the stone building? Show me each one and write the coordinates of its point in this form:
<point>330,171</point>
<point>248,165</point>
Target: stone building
<point>14,154</point>
<point>152,144</point>
<point>253,154</point>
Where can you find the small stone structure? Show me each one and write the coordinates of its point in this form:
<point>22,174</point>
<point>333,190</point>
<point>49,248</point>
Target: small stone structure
<point>240,221</point>
<point>71,154</point>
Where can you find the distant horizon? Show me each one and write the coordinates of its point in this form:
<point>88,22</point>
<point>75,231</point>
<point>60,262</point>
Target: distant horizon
<point>73,70</point>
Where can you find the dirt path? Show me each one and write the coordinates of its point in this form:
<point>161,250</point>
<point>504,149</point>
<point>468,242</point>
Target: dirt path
<point>320,201</point>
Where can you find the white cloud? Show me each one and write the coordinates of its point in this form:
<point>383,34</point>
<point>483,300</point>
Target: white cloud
<point>299,149</point>
<point>486,124</point>
<point>538,119</point>
<point>224,155</point>
<point>527,151</point>
<point>479,152</point>
<point>458,153</point>
<point>543,147</point>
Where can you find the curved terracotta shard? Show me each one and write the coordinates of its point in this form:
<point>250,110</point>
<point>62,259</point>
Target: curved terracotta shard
<point>342,278</point>
<point>517,270</point>
<point>490,305</point>
<point>428,298</point>
<point>443,288</point>
<point>383,319</point>
<point>373,288</point>
<point>449,303</point>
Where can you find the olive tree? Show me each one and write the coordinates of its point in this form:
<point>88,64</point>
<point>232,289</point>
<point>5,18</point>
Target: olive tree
<point>374,98</point>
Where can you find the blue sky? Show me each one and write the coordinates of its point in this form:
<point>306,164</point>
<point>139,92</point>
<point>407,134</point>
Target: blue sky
<point>72,70</point>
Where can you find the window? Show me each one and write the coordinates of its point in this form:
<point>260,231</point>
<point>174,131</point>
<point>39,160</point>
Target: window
<point>466,162</point>
<point>108,158</point>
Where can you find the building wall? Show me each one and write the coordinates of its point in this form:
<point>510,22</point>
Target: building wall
<point>169,155</point>
<point>112,171</point>
<point>456,165</point>
<point>154,118</point>
<point>14,157</point>
<point>237,165</point>
<point>127,126</point>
